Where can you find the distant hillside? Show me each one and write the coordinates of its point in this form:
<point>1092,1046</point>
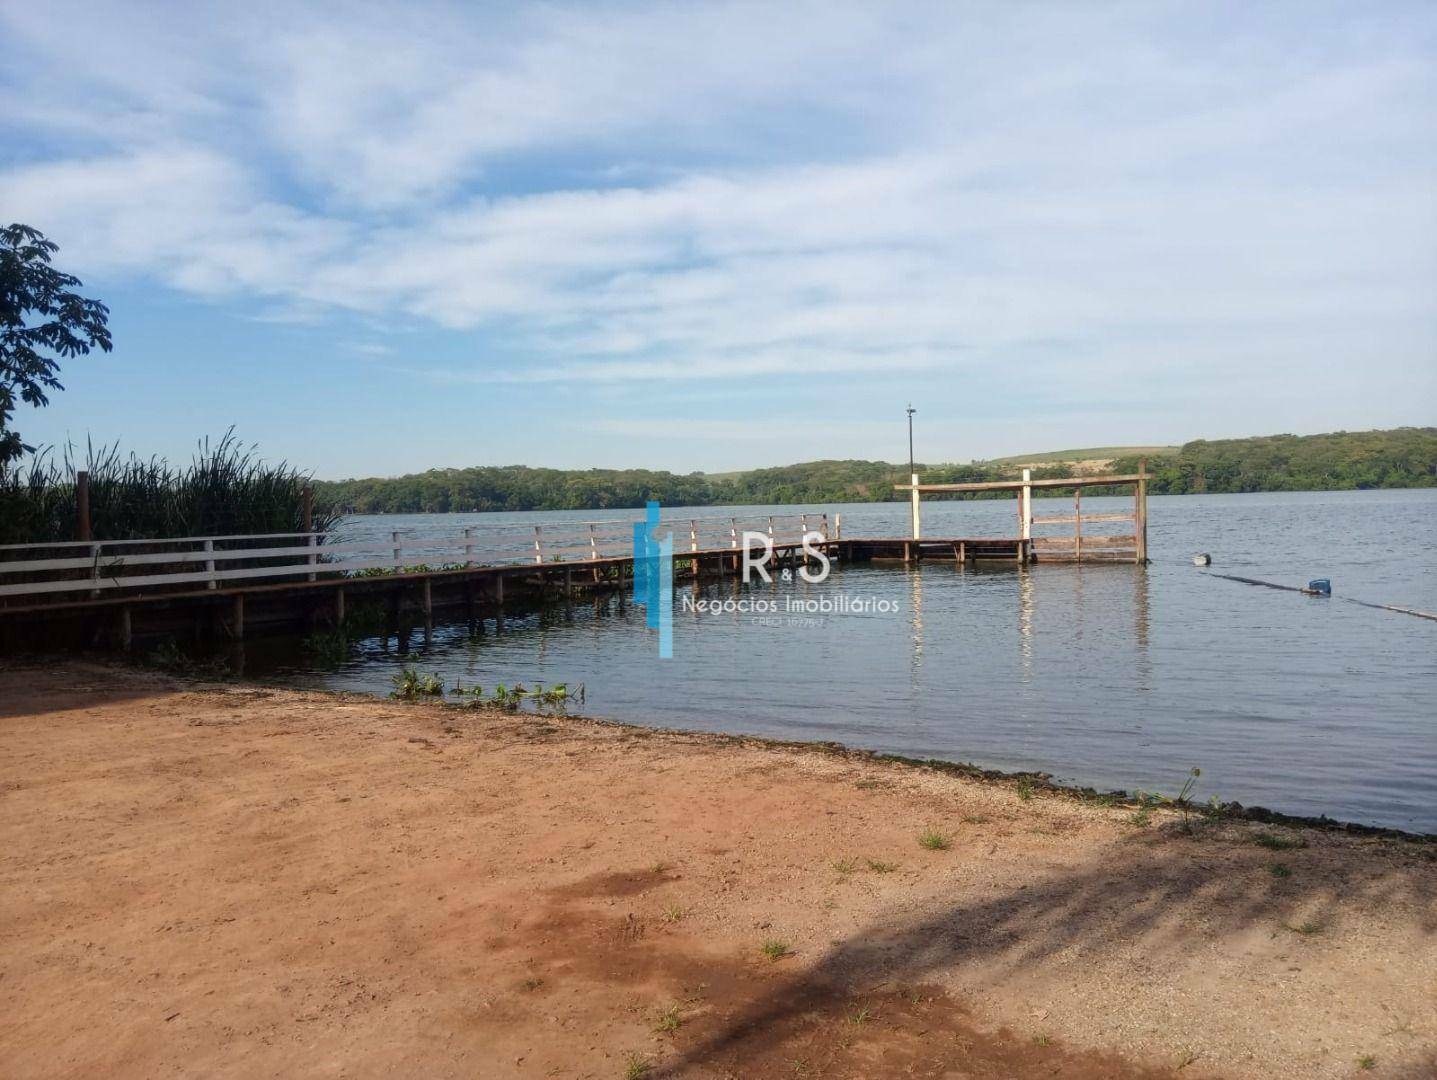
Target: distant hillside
<point>1092,454</point>
<point>1337,461</point>
<point>1402,457</point>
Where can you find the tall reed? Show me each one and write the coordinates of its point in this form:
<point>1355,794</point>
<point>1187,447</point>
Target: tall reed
<point>226,489</point>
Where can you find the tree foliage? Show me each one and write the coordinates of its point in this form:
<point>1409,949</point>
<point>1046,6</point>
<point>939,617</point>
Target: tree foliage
<point>1405,457</point>
<point>41,322</point>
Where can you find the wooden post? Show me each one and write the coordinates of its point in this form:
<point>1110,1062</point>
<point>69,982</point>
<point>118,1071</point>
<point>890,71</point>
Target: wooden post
<point>1140,514</point>
<point>95,567</point>
<point>733,532</point>
<point>1078,524</point>
<point>82,507</point>
<point>428,609</point>
<point>593,547</point>
<point>210,566</point>
<point>237,618</point>
<point>307,509</point>
<point>339,608</point>
<point>498,601</point>
<point>693,535</point>
<point>914,512</point>
<point>538,544</point>
<point>838,526</point>
<point>398,550</point>
<point>468,545</point>
<point>125,627</point>
<point>1025,507</point>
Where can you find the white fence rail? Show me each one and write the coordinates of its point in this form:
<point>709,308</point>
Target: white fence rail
<point>103,566</point>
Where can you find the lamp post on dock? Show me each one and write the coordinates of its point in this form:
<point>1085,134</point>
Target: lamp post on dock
<point>913,475</point>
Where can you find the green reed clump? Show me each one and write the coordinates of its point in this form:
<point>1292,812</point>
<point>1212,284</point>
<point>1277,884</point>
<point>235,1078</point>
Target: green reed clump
<point>226,489</point>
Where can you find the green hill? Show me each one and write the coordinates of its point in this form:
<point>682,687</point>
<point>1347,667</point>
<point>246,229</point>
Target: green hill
<point>1402,457</point>
<point>1092,453</point>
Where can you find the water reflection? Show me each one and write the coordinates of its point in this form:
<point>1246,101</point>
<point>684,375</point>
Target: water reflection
<point>915,601</point>
<point>1115,676</point>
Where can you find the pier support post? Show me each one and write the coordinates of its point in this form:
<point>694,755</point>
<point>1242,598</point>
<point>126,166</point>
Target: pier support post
<point>917,518</point>
<point>237,618</point>
<point>338,609</point>
<point>428,610</point>
<point>498,602</point>
<point>123,628</point>
<point>1140,514</point>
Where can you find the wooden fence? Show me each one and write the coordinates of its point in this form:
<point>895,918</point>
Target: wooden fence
<point>97,567</point>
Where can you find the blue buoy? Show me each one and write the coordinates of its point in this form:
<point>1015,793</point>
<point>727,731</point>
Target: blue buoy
<point>1319,587</point>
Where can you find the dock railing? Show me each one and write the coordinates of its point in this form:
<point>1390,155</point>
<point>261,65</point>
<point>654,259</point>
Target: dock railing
<point>1078,546</point>
<point>74,569</point>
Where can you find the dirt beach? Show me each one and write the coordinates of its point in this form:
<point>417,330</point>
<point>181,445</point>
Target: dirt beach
<point>224,880</point>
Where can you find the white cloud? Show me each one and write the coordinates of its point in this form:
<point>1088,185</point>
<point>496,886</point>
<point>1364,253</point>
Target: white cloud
<point>813,188</point>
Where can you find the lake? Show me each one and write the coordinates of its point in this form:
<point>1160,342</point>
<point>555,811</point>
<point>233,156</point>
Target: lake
<point>1106,675</point>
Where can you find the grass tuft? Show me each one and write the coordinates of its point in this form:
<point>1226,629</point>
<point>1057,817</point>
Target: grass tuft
<point>1274,842</point>
<point>637,1068</point>
<point>1279,870</point>
<point>878,866</point>
<point>775,949</point>
<point>670,1019</point>
<point>934,840</point>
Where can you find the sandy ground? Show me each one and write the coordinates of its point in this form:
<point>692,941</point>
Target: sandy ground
<point>232,881</point>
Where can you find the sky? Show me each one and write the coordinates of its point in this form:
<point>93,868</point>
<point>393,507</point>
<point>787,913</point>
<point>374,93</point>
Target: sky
<point>382,238</point>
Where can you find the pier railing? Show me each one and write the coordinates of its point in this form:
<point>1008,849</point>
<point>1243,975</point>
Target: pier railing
<point>77,569</point>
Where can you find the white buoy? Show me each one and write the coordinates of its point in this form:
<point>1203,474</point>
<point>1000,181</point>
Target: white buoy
<point>1202,560</point>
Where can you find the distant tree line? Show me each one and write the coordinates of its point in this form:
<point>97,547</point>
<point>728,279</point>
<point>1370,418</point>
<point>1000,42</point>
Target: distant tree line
<point>1403,457</point>
<point>1339,461</point>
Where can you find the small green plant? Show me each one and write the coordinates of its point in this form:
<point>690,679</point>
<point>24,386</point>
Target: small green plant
<point>533,984</point>
<point>976,819</point>
<point>671,1019</point>
<point>672,914</point>
<point>1305,928</point>
<point>844,866</point>
<point>878,866</point>
<point>637,1068</point>
<point>1279,870</point>
<point>409,684</point>
<point>658,867</point>
<point>327,648</point>
<point>1042,1040</point>
<point>775,949</point>
<point>862,1016</point>
<point>1025,790</point>
<point>933,840</point>
<point>1142,817</point>
<point>1367,1063</point>
<point>1274,842</point>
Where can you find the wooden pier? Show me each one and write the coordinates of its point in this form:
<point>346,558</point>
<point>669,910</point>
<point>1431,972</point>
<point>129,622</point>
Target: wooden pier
<point>1076,546</point>
<point>113,593</point>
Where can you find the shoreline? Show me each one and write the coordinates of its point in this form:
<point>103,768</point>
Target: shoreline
<point>230,879</point>
<point>1114,797</point>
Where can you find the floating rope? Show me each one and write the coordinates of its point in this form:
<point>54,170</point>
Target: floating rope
<point>1345,599</point>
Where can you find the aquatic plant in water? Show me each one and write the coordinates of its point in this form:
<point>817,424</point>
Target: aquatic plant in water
<point>410,684</point>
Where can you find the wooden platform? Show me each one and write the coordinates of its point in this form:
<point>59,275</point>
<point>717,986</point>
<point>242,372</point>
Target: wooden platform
<point>410,602</point>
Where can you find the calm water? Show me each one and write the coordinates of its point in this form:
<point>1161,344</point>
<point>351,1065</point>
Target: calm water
<point>1112,676</point>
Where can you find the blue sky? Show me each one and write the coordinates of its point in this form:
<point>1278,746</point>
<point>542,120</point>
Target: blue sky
<point>713,236</point>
